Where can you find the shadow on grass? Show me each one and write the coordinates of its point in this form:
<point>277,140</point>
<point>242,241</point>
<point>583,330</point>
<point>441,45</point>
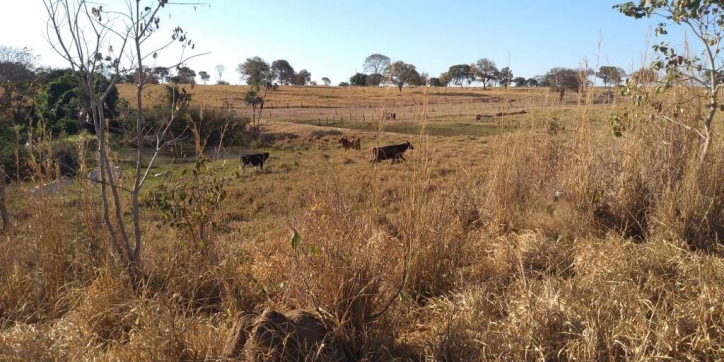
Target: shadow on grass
<point>446,129</point>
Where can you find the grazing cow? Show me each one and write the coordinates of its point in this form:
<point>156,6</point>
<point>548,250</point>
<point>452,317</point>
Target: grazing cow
<point>352,142</point>
<point>50,188</point>
<point>393,152</point>
<point>256,159</point>
<point>95,175</point>
<point>391,116</point>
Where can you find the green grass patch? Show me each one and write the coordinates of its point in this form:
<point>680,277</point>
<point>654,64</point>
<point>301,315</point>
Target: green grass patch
<point>446,129</point>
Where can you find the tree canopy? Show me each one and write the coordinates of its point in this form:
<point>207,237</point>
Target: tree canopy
<point>184,75</point>
<point>284,71</point>
<point>204,76</point>
<point>359,79</point>
<point>562,79</point>
<point>610,75</point>
<point>255,71</point>
<point>401,73</point>
<point>461,73</point>
<point>375,79</point>
<point>16,71</point>
<point>376,63</point>
<point>519,81</point>
<point>434,82</point>
<point>303,77</point>
<point>161,73</point>
<point>505,77</point>
<point>485,70</point>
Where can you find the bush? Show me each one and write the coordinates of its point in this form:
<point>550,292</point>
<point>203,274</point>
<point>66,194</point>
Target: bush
<point>213,124</point>
<point>62,98</point>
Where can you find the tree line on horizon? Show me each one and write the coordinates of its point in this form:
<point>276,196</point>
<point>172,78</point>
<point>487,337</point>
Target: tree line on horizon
<point>379,70</point>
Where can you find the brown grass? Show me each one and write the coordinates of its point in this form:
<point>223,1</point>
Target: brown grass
<point>528,243</point>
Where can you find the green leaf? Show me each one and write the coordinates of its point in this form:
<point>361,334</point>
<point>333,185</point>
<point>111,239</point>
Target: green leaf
<point>296,240</point>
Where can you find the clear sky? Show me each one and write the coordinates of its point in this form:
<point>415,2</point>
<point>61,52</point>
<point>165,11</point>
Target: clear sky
<point>331,38</point>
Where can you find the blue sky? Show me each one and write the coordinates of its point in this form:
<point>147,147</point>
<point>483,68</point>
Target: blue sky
<point>332,38</point>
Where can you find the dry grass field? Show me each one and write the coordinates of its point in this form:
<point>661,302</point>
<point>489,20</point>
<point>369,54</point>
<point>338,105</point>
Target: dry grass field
<point>545,231</point>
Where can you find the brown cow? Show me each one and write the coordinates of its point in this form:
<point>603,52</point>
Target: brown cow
<point>350,142</point>
<point>390,116</point>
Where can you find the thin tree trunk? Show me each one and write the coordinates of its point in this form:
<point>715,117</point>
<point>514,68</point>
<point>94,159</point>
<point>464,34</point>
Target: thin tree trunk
<point>708,132</point>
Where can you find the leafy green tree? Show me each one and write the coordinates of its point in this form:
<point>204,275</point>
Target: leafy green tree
<point>284,71</point>
<point>434,82</point>
<point>461,73</point>
<point>424,78</point>
<point>485,70</point>
<point>531,82</point>
<point>359,79</point>
<point>610,75</point>
<point>445,79</point>
<point>505,77</point>
<point>185,75</point>
<point>705,20</point>
<point>376,63</point>
<point>161,73</point>
<point>519,81</point>
<point>343,84</point>
<point>326,81</point>
<point>401,73</point>
<point>204,76</point>
<point>255,71</point>
<point>303,77</point>
<point>63,104</point>
<point>375,79</point>
<point>562,79</point>
<point>415,79</point>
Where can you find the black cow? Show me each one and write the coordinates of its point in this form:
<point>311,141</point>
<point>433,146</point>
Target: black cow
<point>393,152</point>
<point>256,159</point>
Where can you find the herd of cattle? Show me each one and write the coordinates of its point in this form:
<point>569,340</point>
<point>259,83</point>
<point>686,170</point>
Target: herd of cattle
<point>391,152</point>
